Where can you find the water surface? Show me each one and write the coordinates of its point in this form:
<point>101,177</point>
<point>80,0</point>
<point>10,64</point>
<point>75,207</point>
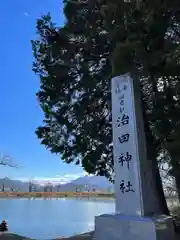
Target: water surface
<point>52,218</point>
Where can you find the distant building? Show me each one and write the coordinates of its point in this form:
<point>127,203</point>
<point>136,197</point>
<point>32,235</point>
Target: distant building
<point>5,190</point>
<point>48,187</point>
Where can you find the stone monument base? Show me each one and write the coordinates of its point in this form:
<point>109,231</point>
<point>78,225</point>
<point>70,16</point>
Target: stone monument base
<point>121,227</point>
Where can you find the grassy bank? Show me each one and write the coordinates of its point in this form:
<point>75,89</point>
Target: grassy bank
<point>86,236</point>
<point>55,194</point>
<point>11,236</point>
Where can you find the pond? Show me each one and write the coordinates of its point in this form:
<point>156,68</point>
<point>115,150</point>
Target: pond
<point>52,218</point>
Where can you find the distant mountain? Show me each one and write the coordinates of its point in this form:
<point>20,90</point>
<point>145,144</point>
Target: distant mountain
<point>94,181</point>
<point>16,185</point>
<point>70,187</point>
<point>81,184</point>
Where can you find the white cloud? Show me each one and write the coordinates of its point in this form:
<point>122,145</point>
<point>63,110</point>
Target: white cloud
<point>58,179</point>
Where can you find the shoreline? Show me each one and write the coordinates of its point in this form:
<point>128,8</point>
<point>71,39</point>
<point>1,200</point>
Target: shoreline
<point>84,236</point>
<point>88,235</point>
<point>13,236</point>
<point>56,195</point>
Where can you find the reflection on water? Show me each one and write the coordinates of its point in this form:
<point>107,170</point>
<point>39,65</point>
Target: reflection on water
<point>52,218</point>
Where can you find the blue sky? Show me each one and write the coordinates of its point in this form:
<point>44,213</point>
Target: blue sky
<point>20,112</point>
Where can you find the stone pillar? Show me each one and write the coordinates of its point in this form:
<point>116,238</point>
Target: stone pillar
<point>130,157</point>
<point>137,207</point>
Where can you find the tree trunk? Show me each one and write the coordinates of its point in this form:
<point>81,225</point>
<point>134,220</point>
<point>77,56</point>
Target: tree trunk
<point>177,181</point>
<point>151,144</point>
<point>176,173</point>
<point>152,156</point>
<point>160,191</point>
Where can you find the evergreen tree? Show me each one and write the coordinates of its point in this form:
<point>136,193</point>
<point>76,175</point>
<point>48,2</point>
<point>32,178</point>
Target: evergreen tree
<point>30,186</point>
<point>76,62</point>
<point>75,94</point>
<point>2,188</point>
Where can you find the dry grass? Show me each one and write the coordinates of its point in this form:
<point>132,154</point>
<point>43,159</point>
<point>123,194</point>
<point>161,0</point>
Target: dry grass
<point>54,194</point>
<point>10,236</point>
<point>86,236</point>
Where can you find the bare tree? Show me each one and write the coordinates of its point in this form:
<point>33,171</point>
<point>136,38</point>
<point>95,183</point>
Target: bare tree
<point>6,161</point>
